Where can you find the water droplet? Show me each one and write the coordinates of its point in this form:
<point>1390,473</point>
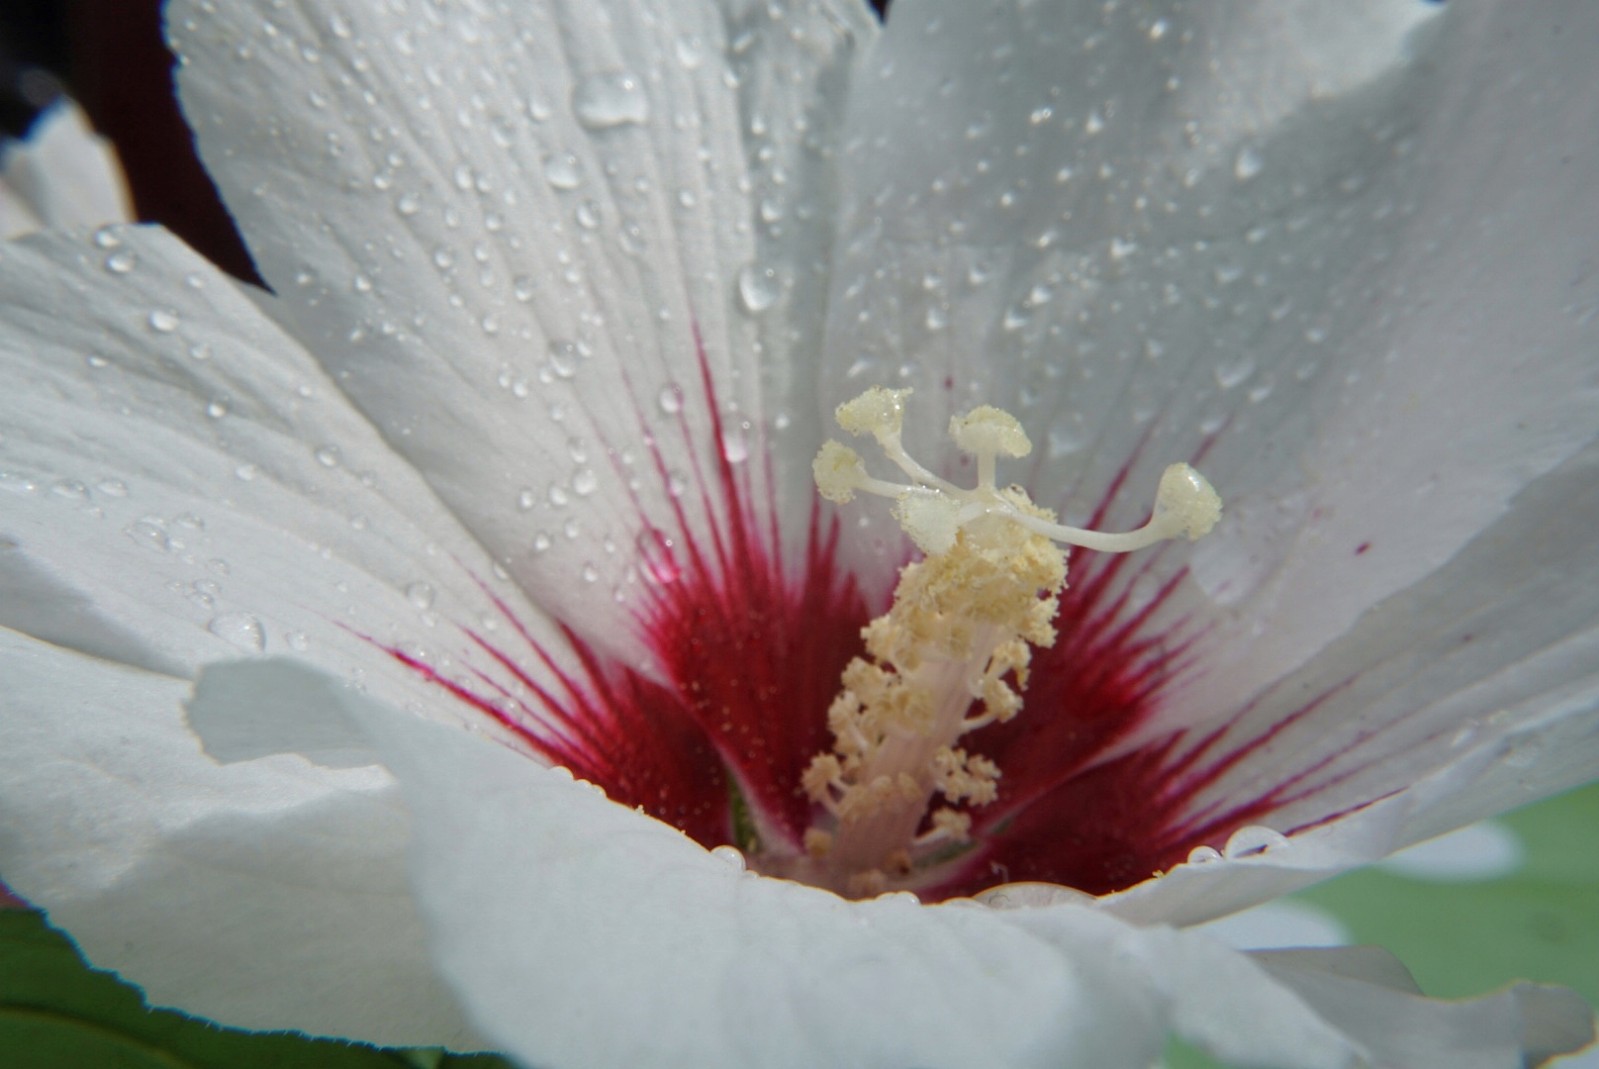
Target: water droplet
<point>523,288</point>
<point>587,215</point>
<point>328,455</point>
<point>1253,839</point>
<point>1203,855</point>
<point>1248,163</point>
<point>420,595</point>
<point>585,482</point>
<point>107,237</point>
<point>564,358</point>
<point>736,443</point>
<point>691,51</point>
<point>1234,372</point>
<point>558,495</point>
<point>297,640</point>
<point>732,855</point>
<point>655,550</point>
<point>542,541</point>
<point>70,488</point>
<point>149,533</point>
<point>163,320</point>
<point>407,204</point>
<point>758,287</point>
<point>614,98</point>
<point>246,472</point>
<point>562,171</point>
<point>590,573</point>
<point>670,399</point>
<point>240,630</point>
<point>216,409</point>
<point>121,262</point>
<point>113,487</point>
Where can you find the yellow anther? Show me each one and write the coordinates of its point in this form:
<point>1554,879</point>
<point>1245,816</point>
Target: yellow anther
<point>838,471</point>
<point>879,412</point>
<point>1187,500</point>
<point>989,431</point>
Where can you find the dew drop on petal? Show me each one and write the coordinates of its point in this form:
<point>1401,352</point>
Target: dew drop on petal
<point>731,855</point>
<point>670,399</point>
<point>614,98</point>
<point>564,358</point>
<point>562,171</point>
<point>1253,839</point>
<point>121,262</point>
<point>297,641</point>
<point>163,320</point>
<point>758,288</point>
<point>240,630</point>
<point>691,51</point>
<point>420,595</point>
<point>1203,855</point>
<point>584,482</point>
<point>328,456</point>
<point>149,533</point>
<point>655,550</point>
<point>112,487</point>
<point>1248,163</point>
<point>736,443</point>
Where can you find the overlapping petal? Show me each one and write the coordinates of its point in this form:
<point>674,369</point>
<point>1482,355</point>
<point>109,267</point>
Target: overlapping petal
<point>1343,261</point>
<point>62,174</point>
<point>649,949</point>
<point>183,484</point>
<point>525,237</point>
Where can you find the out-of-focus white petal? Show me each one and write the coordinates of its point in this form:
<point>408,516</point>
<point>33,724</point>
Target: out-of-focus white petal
<point>522,236</point>
<point>62,175</point>
<point>1364,303</point>
<point>644,946</point>
<point>1365,989</point>
<point>269,894</point>
<point>180,484</point>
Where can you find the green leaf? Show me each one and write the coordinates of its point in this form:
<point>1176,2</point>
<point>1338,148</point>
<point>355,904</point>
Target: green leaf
<point>57,1013</point>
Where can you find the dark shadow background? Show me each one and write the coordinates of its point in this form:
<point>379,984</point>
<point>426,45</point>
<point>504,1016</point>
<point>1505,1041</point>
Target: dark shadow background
<point>110,56</point>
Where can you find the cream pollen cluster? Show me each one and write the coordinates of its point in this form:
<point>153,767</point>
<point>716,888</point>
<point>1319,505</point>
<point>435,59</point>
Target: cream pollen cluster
<point>952,653</point>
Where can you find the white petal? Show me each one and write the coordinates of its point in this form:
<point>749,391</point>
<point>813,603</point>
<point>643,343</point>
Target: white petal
<point>268,895</point>
<point>181,484</point>
<point>583,934</point>
<point>1486,851</point>
<point>62,175</point>
<point>1370,314</point>
<point>1363,990</point>
<point>184,484</point>
<point>509,229</point>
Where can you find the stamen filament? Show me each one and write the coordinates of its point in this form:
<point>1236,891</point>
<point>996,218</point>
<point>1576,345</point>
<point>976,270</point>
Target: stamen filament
<point>961,629</point>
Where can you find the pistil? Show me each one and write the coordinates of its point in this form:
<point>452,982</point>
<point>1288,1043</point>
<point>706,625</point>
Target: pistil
<point>959,634</point>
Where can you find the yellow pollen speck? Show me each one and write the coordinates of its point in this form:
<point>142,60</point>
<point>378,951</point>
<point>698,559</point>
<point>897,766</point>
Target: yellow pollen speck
<point>960,633</point>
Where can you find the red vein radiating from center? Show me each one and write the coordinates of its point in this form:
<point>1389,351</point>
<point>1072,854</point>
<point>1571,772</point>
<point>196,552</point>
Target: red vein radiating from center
<point>747,657</point>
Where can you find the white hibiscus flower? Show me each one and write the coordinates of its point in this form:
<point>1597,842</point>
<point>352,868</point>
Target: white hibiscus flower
<point>520,447</point>
<point>63,175</point>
